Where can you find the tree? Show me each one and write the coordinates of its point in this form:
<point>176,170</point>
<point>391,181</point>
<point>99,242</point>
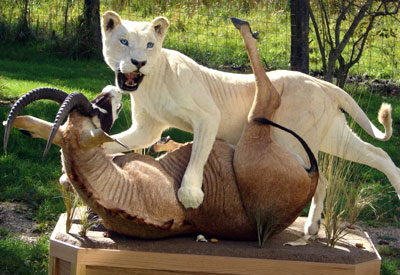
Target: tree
<point>68,5</point>
<point>299,50</point>
<point>24,32</point>
<point>360,16</point>
<point>89,29</point>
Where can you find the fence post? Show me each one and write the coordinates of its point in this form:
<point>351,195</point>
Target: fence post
<point>299,21</point>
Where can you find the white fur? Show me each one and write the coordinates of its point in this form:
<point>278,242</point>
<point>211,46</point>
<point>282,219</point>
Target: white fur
<point>177,92</point>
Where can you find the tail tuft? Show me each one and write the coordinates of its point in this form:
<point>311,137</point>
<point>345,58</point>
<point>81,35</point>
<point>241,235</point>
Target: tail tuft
<point>385,118</point>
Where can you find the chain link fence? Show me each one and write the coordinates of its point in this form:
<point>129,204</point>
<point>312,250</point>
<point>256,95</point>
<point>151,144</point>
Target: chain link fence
<point>200,29</point>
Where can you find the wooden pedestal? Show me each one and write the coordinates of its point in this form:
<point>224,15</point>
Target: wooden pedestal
<point>95,254</point>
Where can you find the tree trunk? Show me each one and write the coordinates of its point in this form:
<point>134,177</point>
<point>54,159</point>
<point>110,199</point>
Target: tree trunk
<point>66,18</point>
<point>343,71</point>
<point>299,50</point>
<point>91,41</point>
<point>24,18</point>
<point>23,31</point>
<point>330,69</point>
<point>341,77</point>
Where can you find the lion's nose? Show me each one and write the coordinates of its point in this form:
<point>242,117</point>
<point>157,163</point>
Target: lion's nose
<point>138,64</point>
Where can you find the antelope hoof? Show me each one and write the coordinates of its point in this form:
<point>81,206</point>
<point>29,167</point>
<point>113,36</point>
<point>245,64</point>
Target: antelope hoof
<point>153,148</point>
<point>238,22</point>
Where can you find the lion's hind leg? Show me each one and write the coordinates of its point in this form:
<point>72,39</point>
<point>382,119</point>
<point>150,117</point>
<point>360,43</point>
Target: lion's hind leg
<point>313,222</point>
<point>342,142</point>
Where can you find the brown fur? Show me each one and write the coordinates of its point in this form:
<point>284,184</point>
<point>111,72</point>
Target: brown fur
<point>270,179</point>
<point>155,211</point>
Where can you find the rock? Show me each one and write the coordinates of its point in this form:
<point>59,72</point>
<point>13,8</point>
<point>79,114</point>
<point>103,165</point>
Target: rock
<point>383,242</point>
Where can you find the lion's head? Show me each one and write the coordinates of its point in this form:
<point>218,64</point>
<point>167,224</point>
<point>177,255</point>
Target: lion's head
<point>131,48</point>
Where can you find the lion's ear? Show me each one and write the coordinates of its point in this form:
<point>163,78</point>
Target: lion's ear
<point>160,25</point>
<point>109,21</point>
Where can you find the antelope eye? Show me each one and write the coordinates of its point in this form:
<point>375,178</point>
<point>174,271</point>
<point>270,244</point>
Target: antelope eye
<point>150,45</point>
<point>124,42</point>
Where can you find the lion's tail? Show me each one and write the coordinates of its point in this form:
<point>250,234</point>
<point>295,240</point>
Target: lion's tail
<point>313,170</point>
<point>350,106</point>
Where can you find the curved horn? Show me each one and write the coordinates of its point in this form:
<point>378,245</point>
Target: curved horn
<point>33,95</point>
<point>74,100</point>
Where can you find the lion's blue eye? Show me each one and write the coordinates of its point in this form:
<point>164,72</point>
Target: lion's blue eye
<point>150,45</point>
<point>124,42</point>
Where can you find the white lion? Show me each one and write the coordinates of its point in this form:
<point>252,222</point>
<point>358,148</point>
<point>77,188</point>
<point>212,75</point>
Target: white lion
<point>168,89</point>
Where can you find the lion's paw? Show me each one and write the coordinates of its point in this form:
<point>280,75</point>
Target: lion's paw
<point>190,197</point>
<point>311,229</point>
<point>64,181</point>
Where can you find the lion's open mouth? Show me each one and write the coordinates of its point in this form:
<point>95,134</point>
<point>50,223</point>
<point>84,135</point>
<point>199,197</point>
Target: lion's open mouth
<point>129,81</point>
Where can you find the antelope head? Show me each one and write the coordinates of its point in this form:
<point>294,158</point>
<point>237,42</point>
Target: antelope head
<point>98,116</point>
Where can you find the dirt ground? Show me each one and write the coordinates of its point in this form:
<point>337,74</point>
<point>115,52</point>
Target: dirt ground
<point>15,218</point>
<point>385,235</point>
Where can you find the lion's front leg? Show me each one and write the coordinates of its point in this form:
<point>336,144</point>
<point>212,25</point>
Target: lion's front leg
<point>144,132</point>
<point>205,131</point>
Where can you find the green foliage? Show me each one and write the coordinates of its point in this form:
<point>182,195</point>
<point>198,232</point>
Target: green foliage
<point>70,199</point>
<point>386,206</point>
<point>357,197</point>
<point>4,232</point>
<point>390,261</point>
<point>19,257</point>
<point>390,267</point>
<point>267,221</point>
<point>337,172</point>
<point>87,221</point>
<point>200,29</point>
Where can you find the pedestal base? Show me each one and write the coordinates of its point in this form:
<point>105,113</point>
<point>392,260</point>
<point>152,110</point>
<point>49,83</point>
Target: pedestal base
<point>95,254</point>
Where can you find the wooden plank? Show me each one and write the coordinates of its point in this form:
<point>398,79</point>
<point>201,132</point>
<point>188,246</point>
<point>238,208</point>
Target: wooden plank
<point>59,226</point>
<point>206,264</point>
<point>106,270</point>
<point>63,267</point>
<point>78,269</point>
<point>64,251</point>
<point>61,249</point>
<point>52,265</point>
<point>368,268</point>
<point>85,261</point>
<point>373,246</point>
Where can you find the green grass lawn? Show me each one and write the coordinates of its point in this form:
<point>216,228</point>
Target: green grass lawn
<point>25,178</point>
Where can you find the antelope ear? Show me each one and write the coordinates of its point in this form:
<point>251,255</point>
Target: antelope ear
<point>109,21</point>
<point>160,25</point>
<point>96,137</point>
